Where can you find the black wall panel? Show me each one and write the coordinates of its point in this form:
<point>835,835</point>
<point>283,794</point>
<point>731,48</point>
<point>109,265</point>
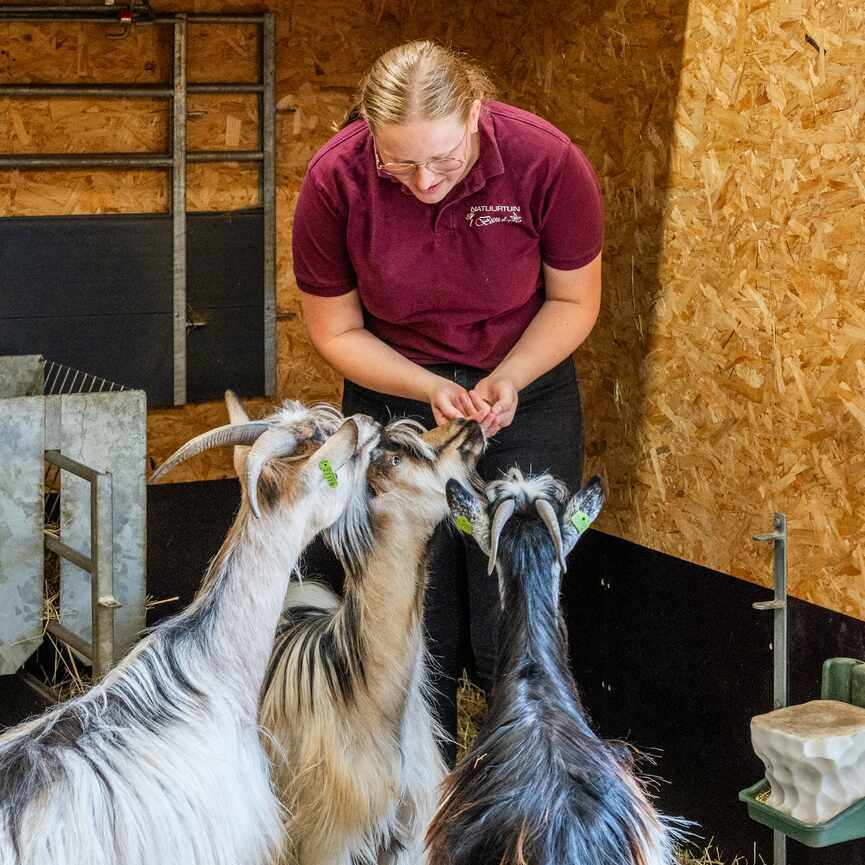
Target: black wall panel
<point>95,293</point>
<point>225,289</point>
<point>225,260</point>
<point>59,267</point>
<point>132,350</point>
<point>672,657</point>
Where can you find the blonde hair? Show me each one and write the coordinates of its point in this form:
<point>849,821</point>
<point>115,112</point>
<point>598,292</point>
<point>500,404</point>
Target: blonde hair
<point>420,81</point>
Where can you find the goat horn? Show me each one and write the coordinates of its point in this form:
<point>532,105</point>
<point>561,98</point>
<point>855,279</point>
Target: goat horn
<point>551,521</point>
<point>229,434</point>
<point>273,444</point>
<point>503,513</point>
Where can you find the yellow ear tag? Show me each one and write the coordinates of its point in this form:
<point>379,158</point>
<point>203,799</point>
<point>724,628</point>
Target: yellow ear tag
<point>464,525</point>
<point>328,472</point>
<point>580,521</point>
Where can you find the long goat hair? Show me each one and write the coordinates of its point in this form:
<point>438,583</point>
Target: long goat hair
<point>539,787</point>
<point>353,740</point>
<point>161,761</point>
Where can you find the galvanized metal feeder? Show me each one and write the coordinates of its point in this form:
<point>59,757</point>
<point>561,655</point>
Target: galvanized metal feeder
<point>61,428</point>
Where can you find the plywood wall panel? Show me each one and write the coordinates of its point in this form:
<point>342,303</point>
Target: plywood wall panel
<point>724,379</point>
<point>76,192</point>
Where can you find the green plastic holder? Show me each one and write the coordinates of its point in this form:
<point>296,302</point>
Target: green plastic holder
<point>846,826</point>
<point>843,679</point>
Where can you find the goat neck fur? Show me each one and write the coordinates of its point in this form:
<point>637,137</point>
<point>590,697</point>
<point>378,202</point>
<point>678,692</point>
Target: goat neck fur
<point>354,741</point>
<point>161,761</point>
<point>539,787</point>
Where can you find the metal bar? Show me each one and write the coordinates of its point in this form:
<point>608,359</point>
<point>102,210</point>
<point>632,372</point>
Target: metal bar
<point>267,125</point>
<point>225,156</point>
<point>109,15</point>
<point>779,848</point>
<point>81,646</point>
<point>227,87</point>
<point>178,210</point>
<point>90,18</point>
<point>46,387</point>
<point>207,18</point>
<point>103,602</point>
<point>151,91</point>
<point>779,608</point>
<point>57,546</point>
<point>780,615</point>
<point>49,695</point>
<point>108,160</point>
<point>30,7</point>
<point>82,471</point>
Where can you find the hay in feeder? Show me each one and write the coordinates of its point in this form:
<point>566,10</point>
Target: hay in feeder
<point>62,669</point>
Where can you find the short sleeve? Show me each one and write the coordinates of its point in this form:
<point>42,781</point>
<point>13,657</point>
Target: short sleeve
<point>322,265</point>
<point>572,217</point>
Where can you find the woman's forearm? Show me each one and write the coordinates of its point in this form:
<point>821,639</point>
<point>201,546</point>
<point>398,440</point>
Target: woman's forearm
<point>555,332</point>
<point>365,359</point>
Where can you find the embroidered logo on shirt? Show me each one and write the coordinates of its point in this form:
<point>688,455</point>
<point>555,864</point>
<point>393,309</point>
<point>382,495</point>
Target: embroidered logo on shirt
<point>490,214</point>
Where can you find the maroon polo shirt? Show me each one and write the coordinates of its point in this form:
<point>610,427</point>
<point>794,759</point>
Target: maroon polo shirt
<point>457,281</point>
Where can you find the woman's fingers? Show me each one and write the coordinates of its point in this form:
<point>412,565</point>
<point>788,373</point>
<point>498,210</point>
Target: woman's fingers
<point>480,406</point>
<point>448,401</point>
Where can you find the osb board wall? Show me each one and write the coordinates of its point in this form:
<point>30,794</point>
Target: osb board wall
<point>724,379</point>
<point>759,328</point>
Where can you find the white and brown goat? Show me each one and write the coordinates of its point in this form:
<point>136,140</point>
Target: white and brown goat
<point>355,745</point>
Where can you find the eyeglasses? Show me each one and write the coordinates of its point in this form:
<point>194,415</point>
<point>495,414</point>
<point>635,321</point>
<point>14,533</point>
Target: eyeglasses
<point>439,165</point>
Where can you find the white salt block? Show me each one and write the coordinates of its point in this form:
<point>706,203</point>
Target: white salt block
<point>814,755</point>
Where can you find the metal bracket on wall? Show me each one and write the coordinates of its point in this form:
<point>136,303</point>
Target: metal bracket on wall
<point>778,605</point>
<point>177,160</point>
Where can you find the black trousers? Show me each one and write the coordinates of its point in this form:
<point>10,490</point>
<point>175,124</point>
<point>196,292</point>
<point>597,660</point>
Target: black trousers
<point>462,602</point>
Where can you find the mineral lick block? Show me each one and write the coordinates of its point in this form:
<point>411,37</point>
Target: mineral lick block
<point>814,755</point>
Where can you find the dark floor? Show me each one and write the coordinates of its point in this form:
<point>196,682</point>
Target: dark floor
<point>668,655</point>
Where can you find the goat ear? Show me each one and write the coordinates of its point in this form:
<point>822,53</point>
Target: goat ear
<point>236,411</point>
<point>581,511</point>
<point>469,513</point>
<point>237,414</point>
<point>334,453</point>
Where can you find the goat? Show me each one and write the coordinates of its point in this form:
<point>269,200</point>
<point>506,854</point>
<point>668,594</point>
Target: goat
<point>539,787</point>
<point>357,761</point>
<point>161,761</point>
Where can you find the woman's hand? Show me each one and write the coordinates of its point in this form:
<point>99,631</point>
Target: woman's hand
<point>495,401</point>
<point>448,400</point>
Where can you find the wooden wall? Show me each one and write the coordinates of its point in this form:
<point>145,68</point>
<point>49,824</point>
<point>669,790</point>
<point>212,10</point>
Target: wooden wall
<point>725,377</point>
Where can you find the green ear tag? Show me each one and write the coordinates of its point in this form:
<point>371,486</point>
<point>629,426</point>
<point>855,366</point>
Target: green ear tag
<point>581,521</point>
<point>464,524</point>
<point>328,472</point>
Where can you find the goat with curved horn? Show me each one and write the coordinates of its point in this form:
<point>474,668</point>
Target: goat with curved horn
<point>538,787</point>
<point>161,761</point>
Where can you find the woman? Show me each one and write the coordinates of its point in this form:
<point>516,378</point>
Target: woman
<point>448,251</point>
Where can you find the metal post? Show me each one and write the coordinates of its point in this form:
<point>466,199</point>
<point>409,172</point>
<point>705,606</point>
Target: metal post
<point>178,210</point>
<point>779,642</point>
<point>102,588</point>
<point>267,145</point>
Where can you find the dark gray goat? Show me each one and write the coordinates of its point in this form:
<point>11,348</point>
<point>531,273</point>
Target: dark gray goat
<point>539,787</point>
